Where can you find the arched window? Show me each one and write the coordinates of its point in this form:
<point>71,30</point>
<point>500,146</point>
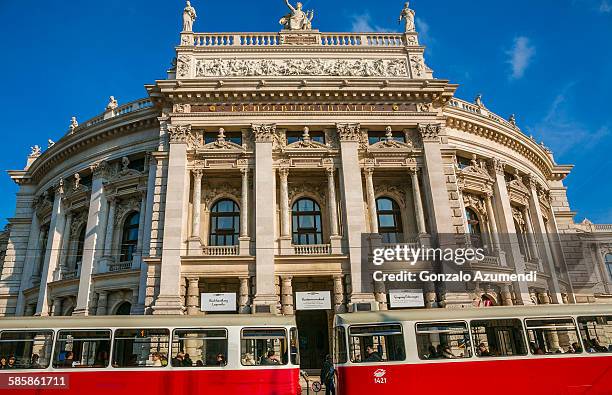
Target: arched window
<point>474,228</point>
<point>123,309</point>
<point>306,222</point>
<point>609,265</point>
<point>224,223</point>
<point>389,220</point>
<point>129,237</point>
<point>80,246</point>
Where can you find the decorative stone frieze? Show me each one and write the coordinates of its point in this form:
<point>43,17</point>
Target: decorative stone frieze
<point>430,132</point>
<point>349,131</point>
<point>264,133</point>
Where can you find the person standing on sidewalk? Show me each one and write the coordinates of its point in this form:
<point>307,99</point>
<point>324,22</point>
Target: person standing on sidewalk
<point>328,373</point>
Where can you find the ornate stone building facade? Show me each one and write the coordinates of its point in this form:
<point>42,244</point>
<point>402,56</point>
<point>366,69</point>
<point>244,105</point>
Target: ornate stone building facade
<point>256,167</point>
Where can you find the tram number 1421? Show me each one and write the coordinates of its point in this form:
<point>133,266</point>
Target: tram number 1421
<point>379,376</point>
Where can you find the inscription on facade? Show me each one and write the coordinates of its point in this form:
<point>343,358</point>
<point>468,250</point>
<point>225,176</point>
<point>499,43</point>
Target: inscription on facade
<point>306,107</point>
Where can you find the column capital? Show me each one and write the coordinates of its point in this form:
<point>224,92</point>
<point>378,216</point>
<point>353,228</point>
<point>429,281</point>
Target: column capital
<point>349,131</point>
<point>430,132</point>
<point>330,170</point>
<point>100,169</point>
<point>497,166</point>
<point>180,134</point>
<point>368,171</point>
<point>532,181</point>
<point>283,172</point>
<point>264,133</point>
<point>244,171</point>
<point>197,173</point>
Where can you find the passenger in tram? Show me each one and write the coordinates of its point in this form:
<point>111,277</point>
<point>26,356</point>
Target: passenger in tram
<point>2,363</point>
<point>199,363</point>
<point>11,362</point>
<point>178,360</point>
<point>432,353</point>
<point>187,361</point>
<point>598,347</point>
<point>447,352</point>
<point>483,351</point>
<point>371,355</point>
<point>34,364</point>
<point>69,360</point>
<point>220,360</point>
<point>248,359</point>
<point>576,347</point>
<point>270,359</point>
<point>157,359</point>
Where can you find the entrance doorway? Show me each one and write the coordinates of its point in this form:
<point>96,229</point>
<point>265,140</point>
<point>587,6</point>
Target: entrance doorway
<point>313,338</point>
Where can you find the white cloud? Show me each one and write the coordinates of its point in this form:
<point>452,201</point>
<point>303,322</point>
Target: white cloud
<point>520,56</point>
<point>562,132</point>
<point>423,29</point>
<point>605,7</point>
<point>363,23</point>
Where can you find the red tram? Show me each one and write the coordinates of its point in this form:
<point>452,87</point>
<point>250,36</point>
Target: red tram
<point>150,355</point>
<point>553,349</point>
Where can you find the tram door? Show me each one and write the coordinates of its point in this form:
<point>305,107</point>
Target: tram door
<point>313,338</point>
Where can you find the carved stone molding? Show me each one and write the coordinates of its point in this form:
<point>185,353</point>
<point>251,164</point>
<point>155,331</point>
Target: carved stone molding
<point>182,108</point>
<point>497,166</point>
<point>264,133</point>
<point>396,192</point>
<point>418,67</point>
<point>430,132</point>
<point>126,206</point>
<point>233,67</point>
<point>183,66</point>
<point>349,131</point>
<point>318,191</point>
<point>100,169</point>
<point>183,134</point>
<point>476,203</point>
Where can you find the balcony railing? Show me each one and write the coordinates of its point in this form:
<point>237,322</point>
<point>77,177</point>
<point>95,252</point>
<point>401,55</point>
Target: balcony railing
<point>69,274</point>
<point>119,266</point>
<point>312,249</point>
<point>490,260</point>
<point>221,250</point>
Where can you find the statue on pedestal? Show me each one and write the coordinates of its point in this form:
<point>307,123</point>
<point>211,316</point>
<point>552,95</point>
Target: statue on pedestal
<point>408,16</point>
<point>297,19</point>
<point>189,17</point>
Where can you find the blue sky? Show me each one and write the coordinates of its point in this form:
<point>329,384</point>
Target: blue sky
<point>548,61</point>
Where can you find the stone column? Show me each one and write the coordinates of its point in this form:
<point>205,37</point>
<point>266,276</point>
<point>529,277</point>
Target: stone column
<point>380,295</point>
<point>506,295</point>
<point>57,307</point>
<point>493,227</point>
<point>65,252</point>
<point>332,206</point>
<point>31,259</point>
<point>287,295</point>
<point>537,220</point>
<point>109,256</point>
<point>169,300</point>
<point>95,234</point>
<point>142,214</point>
<point>195,241</point>
<point>265,297</point>
<point>430,295</point>
<point>505,223</point>
<point>244,296</point>
<point>369,171</point>
<point>244,240</point>
<point>285,220</point>
<point>533,248</point>
<point>193,295</point>
<point>102,302</point>
<point>351,186</point>
<point>418,203</point>
<point>339,306</point>
<point>51,259</point>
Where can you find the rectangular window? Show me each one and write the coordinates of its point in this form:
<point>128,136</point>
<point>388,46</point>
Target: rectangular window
<point>30,349</point>
<point>82,348</point>
<point>234,137</point>
<point>140,348</point>
<point>199,348</point>
<point>443,340</point>
<point>293,348</point>
<point>376,136</point>
<point>609,267</point>
<point>498,338</point>
<point>340,339</point>
<point>263,347</point>
<point>376,343</point>
<point>552,336</point>
<point>294,137</point>
<point>596,333</point>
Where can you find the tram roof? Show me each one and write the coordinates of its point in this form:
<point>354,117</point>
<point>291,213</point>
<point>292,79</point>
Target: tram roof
<point>132,321</point>
<point>471,313</point>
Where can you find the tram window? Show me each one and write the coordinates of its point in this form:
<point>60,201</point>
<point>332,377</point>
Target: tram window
<point>293,348</point>
<point>376,343</point>
<point>82,349</point>
<point>340,338</point>
<point>263,347</point>
<point>552,336</point>
<point>443,340</point>
<point>498,338</point>
<point>199,348</point>
<point>596,333</point>
<point>140,348</point>
<point>31,349</point>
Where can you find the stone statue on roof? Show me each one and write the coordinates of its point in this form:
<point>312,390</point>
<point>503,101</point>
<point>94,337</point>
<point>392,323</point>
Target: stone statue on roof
<point>189,17</point>
<point>297,19</point>
<point>407,15</point>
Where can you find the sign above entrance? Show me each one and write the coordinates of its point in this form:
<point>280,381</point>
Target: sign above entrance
<point>249,108</point>
<point>218,302</point>
<point>406,298</point>
<point>315,300</point>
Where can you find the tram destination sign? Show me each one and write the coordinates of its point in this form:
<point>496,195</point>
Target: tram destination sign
<point>315,300</point>
<point>218,301</point>
<point>406,298</point>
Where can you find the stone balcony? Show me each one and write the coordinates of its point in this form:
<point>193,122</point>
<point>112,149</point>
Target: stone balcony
<point>233,250</point>
<point>119,266</point>
<point>312,249</point>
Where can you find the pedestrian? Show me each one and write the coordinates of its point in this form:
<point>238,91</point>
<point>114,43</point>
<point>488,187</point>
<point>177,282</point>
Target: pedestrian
<point>328,373</point>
